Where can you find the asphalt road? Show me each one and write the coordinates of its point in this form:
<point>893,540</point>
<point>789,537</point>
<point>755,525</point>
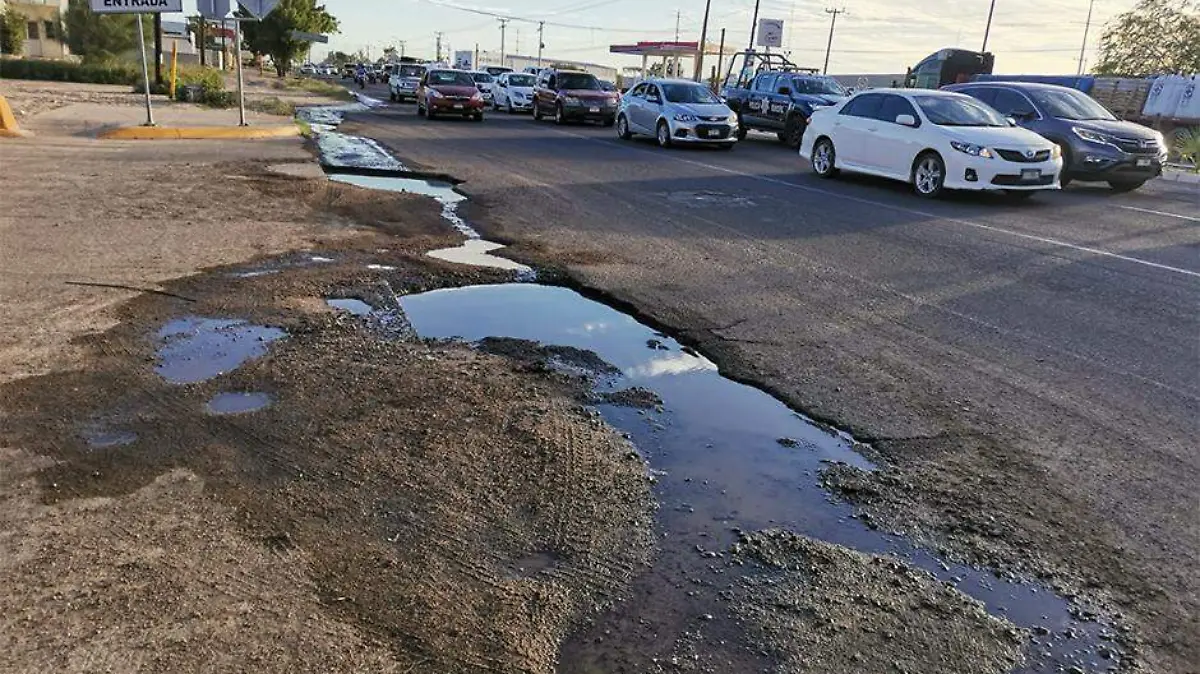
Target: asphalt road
<point>1038,360</point>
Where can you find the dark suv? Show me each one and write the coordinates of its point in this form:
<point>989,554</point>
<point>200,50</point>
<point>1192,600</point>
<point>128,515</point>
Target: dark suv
<point>571,95</point>
<point>1096,146</point>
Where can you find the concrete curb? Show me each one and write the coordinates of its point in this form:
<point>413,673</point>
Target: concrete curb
<point>200,132</point>
<point>8,122</point>
<point>1181,177</point>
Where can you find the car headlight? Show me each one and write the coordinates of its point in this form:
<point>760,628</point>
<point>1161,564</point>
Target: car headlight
<point>1055,152</point>
<point>434,93</point>
<point>971,149</point>
<point>733,121</point>
<point>1092,136</point>
<point>570,100</point>
<point>684,117</point>
<point>477,96</point>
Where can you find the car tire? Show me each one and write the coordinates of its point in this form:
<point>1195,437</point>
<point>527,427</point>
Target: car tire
<point>662,133</point>
<point>793,134</point>
<point>623,128</point>
<point>1065,177</point>
<point>420,109</point>
<point>510,108</point>
<point>429,113</point>
<point>742,130</point>
<point>1122,186</point>
<point>929,175</point>
<point>537,112</point>
<point>560,117</point>
<point>824,158</point>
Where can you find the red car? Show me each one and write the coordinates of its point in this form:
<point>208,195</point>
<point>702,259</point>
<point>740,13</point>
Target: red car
<point>449,92</point>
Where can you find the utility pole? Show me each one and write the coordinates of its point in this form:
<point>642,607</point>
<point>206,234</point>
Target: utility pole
<point>677,25</point>
<point>720,58</point>
<point>1086,28</point>
<point>438,58</point>
<point>541,41</point>
<point>988,29</point>
<point>753,26</point>
<point>503,28</point>
<point>402,45</point>
<point>829,47</point>
<point>158,78</point>
<point>703,37</point>
<point>517,47</point>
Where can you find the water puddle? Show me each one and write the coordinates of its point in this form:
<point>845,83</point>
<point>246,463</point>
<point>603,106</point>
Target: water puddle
<point>340,150</point>
<point>194,349</point>
<point>725,457</point>
<point>353,306</point>
<point>100,437</point>
<point>237,403</point>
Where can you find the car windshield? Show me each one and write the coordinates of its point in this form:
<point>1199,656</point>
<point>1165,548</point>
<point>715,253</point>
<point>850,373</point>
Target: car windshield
<point>451,78</point>
<point>497,70</point>
<point>958,111</point>
<point>411,71</point>
<point>818,86</point>
<point>689,93</point>
<point>1069,104</point>
<point>578,81</point>
<point>520,80</point>
<point>607,86</point>
<point>482,78</point>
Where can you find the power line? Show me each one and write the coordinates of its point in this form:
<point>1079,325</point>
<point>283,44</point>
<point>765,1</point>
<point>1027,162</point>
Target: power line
<point>497,15</point>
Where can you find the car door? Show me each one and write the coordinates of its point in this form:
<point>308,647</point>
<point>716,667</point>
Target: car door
<point>758,100</point>
<point>634,100</point>
<point>648,109</point>
<point>500,91</point>
<point>890,147</point>
<point>852,127</point>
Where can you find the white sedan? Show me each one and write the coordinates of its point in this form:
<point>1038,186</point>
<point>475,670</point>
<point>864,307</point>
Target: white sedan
<point>935,140</point>
<point>513,92</point>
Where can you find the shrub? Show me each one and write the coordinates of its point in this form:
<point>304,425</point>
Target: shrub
<point>208,79</point>
<point>66,71</point>
<point>1187,146</point>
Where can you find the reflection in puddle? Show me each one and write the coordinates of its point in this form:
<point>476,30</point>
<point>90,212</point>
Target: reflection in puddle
<point>719,464</point>
<point>477,252</point>
<point>237,403</point>
<point>443,192</point>
<point>356,307</point>
<point>194,349</point>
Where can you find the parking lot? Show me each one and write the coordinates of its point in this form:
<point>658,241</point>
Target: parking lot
<point>1050,341</point>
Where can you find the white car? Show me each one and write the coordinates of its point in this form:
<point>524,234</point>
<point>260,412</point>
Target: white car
<point>514,92</point>
<point>935,140</point>
<point>486,84</point>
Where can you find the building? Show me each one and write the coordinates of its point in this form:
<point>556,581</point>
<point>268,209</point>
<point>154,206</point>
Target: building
<point>43,27</point>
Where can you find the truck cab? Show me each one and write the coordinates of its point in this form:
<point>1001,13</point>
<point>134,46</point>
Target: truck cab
<point>779,101</point>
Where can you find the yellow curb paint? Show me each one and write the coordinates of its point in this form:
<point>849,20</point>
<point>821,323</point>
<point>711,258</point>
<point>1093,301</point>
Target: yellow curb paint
<point>200,132</point>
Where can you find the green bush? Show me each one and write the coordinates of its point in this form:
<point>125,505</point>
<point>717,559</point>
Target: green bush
<point>219,99</point>
<point>208,79</point>
<point>66,71</point>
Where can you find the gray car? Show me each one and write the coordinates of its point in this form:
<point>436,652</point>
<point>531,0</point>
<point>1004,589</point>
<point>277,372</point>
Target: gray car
<point>1096,145</point>
<point>676,111</point>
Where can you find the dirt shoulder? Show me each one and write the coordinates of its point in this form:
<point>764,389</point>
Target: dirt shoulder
<point>398,507</point>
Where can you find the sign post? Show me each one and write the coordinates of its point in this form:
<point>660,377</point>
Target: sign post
<point>139,7</point>
<point>237,57</point>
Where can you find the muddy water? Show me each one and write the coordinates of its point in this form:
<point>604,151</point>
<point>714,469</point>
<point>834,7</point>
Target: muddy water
<point>237,403</point>
<point>725,456</point>
<point>194,349</point>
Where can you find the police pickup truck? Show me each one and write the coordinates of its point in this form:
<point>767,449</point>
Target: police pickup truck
<point>780,102</point>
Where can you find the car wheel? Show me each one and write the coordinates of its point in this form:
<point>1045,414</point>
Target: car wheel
<point>824,159</point>
<point>663,134</point>
<point>1065,177</point>
<point>929,175</point>
<point>794,135</point>
<point>1019,195</point>
<point>1125,185</point>
<point>429,113</point>
<point>742,130</point>
<point>559,117</point>
<point>623,128</point>
<point>420,109</point>
<point>537,112</point>
<point>510,108</point>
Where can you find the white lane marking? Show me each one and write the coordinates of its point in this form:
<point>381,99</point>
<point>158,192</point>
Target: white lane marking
<point>1162,213</point>
<point>904,209</point>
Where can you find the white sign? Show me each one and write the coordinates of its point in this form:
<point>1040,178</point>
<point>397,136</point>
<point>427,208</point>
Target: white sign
<point>135,6</point>
<point>770,33</point>
<point>213,9</point>
<point>463,59</point>
<point>258,8</point>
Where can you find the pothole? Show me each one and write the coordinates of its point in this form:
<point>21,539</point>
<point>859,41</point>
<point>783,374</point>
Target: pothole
<point>100,437</point>
<point>720,468</point>
<point>237,403</point>
<point>194,349</point>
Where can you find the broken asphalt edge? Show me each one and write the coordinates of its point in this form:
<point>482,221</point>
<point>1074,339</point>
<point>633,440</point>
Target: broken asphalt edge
<point>200,132</point>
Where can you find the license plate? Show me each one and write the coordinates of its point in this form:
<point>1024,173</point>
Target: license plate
<point>703,133</point>
<point>593,109</point>
<point>1141,163</point>
<point>1031,174</point>
<point>458,106</point>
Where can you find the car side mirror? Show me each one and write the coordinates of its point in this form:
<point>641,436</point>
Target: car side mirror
<point>786,91</point>
<point>654,99</point>
<point>1011,121</point>
<point>906,120</point>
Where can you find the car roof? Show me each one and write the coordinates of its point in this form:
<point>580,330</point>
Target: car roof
<point>1016,84</point>
<point>670,80</point>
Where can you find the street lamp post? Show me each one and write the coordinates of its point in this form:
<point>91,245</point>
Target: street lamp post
<point>988,29</point>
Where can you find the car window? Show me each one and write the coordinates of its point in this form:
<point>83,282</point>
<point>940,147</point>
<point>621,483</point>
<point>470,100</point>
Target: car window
<point>1007,102</point>
<point>482,78</point>
<point>689,93</point>
<point>552,82</point>
<point>639,91</point>
<point>953,110</point>
<point>450,78</point>
<point>578,81</point>
<point>518,80</point>
<point>1069,104</point>
<point>411,71</point>
<point>818,86</point>
<point>985,94</point>
<point>652,92</point>
<point>866,105</point>
<point>893,106</point>
<point>765,83</point>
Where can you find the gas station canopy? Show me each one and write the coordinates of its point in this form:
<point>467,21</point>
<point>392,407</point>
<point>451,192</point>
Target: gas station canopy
<point>664,49</point>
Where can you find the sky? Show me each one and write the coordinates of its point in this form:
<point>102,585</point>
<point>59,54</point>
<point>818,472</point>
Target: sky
<point>873,36</point>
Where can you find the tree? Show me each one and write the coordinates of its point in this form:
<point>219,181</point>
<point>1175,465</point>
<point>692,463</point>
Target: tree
<point>99,37</point>
<point>339,58</point>
<point>1156,37</point>
<point>272,36</point>
<point>12,32</point>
